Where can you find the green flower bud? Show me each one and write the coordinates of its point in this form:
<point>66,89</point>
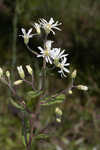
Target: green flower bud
<point>8,74</point>
<point>58,120</point>
<point>82,87</point>
<point>74,73</point>
<point>1,72</point>
<point>18,82</point>
<point>29,69</point>
<point>58,111</point>
<point>21,72</point>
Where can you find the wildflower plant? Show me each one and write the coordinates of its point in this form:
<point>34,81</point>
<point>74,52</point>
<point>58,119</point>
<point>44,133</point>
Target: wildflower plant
<point>50,55</point>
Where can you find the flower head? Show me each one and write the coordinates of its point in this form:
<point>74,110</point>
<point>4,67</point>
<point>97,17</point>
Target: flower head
<point>57,54</point>
<point>27,35</point>
<point>48,26</point>
<point>37,27</point>
<point>62,65</point>
<point>46,52</point>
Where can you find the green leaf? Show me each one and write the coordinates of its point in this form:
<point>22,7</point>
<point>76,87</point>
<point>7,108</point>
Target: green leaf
<point>15,104</point>
<point>33,94</point>
<point>60,97</point>
<point>23,139</point>
<point>32,98</point>
<point>42,136</point>
<point>50,100</point>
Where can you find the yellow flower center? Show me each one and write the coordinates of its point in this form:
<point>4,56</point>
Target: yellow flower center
<point>59,65</point>
<point>46,53</point>
<point>48,26</point>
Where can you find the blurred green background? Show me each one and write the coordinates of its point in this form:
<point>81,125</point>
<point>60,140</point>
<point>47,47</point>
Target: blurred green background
<point>80,36</point>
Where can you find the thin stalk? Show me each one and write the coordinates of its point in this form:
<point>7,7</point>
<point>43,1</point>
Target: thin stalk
<point>15,20</point>
<point>33,81</point>
<point>44,67</point>
<point>31,50</point>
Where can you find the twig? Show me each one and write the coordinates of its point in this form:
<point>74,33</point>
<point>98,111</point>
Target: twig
<point>32,50</point>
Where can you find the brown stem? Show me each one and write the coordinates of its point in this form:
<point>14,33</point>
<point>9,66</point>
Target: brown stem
<point>32,50</point>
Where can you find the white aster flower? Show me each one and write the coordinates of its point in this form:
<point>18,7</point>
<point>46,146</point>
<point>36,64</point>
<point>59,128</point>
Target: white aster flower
<point>48,26</point>
<point>37,27</point>
<point>27,35</point>
<point>46,52</point>
<point>62,65</point>
<point>57,54</point>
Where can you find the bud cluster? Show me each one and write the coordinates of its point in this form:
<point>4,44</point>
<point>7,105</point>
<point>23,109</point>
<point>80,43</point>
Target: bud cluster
<point>58,113</point>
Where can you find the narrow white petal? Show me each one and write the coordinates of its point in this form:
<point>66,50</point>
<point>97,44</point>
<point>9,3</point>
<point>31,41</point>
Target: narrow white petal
<point>23,31</point>
<point>66,70</point>
<point>51,21</point>
<point>67,64</point>
<point>40,48</point>
<point>30,30</point>
<point>53,32</point>
<point>56,28</point>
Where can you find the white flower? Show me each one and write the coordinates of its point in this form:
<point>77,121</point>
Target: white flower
<point>46,52</point>
<point>57,54</point>
<point>48,26</point>
<point>21,72</point>
<point>37,27</point>
<point>62,65</point>
<point>27,35</point>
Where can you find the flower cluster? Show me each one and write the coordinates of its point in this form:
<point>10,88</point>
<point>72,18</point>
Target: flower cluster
<point>51,55</point>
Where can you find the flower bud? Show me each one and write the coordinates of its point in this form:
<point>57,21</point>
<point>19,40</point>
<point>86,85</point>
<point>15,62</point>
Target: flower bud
<point>70,92</point>
<point>82,87</point>
<point>21,72</point>
<point>58,120</point>
<point>58,111</point>
<point>29,69</point>
<point>8,74</point>
<point>37,27</point>
<point>1,72</point>
<point>74,73</point>
<point>18,82</point>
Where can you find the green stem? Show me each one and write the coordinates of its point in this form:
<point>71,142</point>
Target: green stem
<point>15,20</point>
